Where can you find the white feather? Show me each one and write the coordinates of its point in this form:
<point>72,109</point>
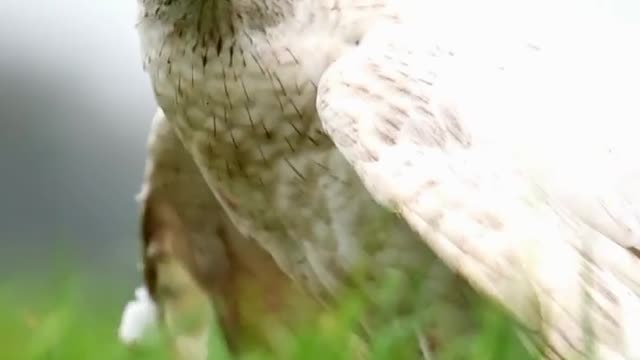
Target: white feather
<point>138,317</point>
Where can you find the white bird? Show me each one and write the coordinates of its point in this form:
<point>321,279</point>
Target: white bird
<point>512,156</point>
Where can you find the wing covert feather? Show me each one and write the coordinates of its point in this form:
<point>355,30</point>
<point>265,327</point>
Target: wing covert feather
<point>432,142</point>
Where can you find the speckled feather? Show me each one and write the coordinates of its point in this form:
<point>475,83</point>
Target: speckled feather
<point>538,209</point>
<point>250,87</point>
<point>242,99</point>
<point>240,93</point>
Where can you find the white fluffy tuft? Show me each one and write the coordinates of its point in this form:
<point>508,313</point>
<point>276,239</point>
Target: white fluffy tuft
<point>138,317</point>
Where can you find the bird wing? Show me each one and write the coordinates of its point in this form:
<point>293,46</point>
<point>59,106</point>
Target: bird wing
<point>508,161</point>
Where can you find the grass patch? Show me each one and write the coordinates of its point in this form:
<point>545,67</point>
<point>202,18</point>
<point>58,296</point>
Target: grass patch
<point>71,320</point>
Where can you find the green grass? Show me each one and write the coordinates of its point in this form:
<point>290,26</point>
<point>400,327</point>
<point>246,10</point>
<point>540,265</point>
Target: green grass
<point>70,321</point>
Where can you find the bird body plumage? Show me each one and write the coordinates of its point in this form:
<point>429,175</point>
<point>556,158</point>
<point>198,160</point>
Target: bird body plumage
<point>304,117</point>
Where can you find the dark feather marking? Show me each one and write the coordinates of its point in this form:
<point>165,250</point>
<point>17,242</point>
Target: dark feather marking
<point>164,42</point>
<point>295,107</point>
<point>295,60</point>
<point>253,126</point>
<point>386,137</point>
<point>242,57</point>
<point>226,116</point>
<point>219,45</point>
<point>399,110</point>
<point>241,168</point>
<point>246,34</point>
<point>232,29</point>
<point>224,83</point>
<point>266,39</point>
<point>426,82</point>
<point>392,122</point>
<point>291,102</point>
<point>424,111</point>
<point>205,59</point>
<point>455,128</point>
<point>215,126</point>
<point>284,91</point>
<point>255,59</point>
<point>267,133</point>
<point>386,78</point>
<point>179,88</point>
<point>312,140</point>
<point>233,139</point>
<point>294,169</point>
<point>193,81</point>
<point>290,145</point>
<point>231,50</point>
<point>329,173</point>
<point>247,104</point>
<point>264,158</point>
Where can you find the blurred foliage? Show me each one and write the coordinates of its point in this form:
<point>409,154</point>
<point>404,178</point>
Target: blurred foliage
<point>73,319</point>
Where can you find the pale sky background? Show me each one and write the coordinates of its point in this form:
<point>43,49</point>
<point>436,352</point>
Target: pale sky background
<point>75,106</point>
